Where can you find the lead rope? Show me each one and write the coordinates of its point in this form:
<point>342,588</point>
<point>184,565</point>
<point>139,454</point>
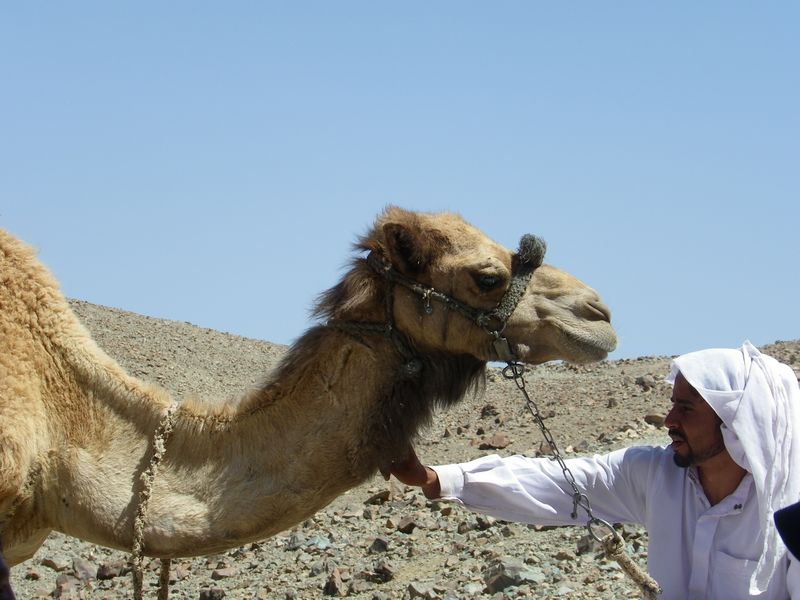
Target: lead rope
<point>147,478</point>
<point>613,544</point>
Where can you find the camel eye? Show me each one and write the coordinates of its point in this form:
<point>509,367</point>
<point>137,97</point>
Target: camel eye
<point>487,283</point>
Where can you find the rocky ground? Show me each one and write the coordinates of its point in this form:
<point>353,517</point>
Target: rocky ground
<point>384,541</point>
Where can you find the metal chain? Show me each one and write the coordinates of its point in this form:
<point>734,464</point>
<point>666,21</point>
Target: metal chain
<point>515,372</point>
<point>612,543</point>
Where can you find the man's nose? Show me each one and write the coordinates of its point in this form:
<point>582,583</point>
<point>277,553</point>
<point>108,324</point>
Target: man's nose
<point>670,420</point>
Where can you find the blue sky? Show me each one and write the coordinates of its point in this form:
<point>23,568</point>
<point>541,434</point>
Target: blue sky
<point>213,162</point>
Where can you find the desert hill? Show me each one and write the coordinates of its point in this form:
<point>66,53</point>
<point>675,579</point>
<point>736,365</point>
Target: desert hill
<point>380,540</point>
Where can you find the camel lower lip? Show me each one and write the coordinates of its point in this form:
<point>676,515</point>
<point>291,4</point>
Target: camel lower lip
<point>595,347</point>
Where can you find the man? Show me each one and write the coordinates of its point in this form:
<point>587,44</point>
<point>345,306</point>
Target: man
<point>707,500</point>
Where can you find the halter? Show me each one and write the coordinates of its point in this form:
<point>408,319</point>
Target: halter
<point>527,259</point>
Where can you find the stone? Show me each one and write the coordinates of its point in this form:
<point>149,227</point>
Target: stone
<point>508,572</point>
<point>489,410</point>
<point>66,585</point>
<point>358,585</point>
<point>473,589</point>
<point>496,441</point>
<point>57,563</point>
<point>224,573</point>
<point>83,569</point>
<point>484,521</point>
<point>587,543</point>
<point>322,566</point>
<point>335,586</point>
<point>407,524</point>
<point>657,420</point>
<point>180,571</point>
<point>421,590</point>
<point>295,541</point>
<point>111,570</point>
<point>379,545</point>
<point>646,382</point>
<point>319,542</point>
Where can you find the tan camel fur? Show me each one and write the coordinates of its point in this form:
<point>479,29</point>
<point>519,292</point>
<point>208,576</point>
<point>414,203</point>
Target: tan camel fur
<point>76,430</point>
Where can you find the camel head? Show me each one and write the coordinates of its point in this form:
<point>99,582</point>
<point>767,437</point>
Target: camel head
<point>447,286</point>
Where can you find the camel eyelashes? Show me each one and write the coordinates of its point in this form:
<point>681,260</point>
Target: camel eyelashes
<point>487,283</point>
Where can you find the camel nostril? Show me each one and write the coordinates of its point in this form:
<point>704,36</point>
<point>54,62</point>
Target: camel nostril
<point>598,311</point>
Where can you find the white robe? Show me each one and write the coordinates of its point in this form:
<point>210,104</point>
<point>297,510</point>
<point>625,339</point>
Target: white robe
<point>696,551</point>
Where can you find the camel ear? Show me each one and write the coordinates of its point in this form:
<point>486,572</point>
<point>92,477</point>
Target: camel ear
<point>408,250</point>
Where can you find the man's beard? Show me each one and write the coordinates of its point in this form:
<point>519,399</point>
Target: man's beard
<point>694,458</point>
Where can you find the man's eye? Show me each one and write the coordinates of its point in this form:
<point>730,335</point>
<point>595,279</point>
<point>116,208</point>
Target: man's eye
<point>488,282</point>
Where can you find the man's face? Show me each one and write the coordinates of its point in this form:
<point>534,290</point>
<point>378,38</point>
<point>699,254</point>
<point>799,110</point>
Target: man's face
<point>693,426</point>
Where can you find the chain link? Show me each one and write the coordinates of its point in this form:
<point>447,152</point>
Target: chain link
<point>516,371</point>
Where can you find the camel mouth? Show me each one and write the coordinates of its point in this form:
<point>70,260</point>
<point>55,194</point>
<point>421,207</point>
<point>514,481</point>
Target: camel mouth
<point>590,346</point>
<point>577,346</point>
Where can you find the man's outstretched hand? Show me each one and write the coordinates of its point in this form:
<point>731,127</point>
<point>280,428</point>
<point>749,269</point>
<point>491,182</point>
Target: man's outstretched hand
<point>412,472</point>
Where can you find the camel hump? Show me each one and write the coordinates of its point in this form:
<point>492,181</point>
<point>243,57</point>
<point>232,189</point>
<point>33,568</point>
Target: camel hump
<point>30,296</point>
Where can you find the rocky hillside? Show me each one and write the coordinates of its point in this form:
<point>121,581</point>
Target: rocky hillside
<point>384,541</point>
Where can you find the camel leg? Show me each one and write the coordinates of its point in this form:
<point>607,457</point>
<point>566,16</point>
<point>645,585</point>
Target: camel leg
<point>6,593</point>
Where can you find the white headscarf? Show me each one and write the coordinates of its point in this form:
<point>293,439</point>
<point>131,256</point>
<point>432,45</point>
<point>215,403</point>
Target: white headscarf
<point>758,400</point>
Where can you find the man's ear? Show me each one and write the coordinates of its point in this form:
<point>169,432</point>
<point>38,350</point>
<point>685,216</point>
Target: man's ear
<point>408,251</point>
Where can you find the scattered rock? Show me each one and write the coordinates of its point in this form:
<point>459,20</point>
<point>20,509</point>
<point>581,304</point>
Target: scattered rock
<point>384,571</point>
<point>655,419</point>
<point>646,382</point>
<point>58,562</point>
<point>379,544</point>
<point>224,573</point>
<point>111,570</point>
<point>335,586</point>
<point>508,572</point>
<point>421,590</point>
<point>489,410</point>
<point>83,569</point>
<point>380,498</point>
<point>496,441</point>
<point>66,585</point>
<point>407,524</point>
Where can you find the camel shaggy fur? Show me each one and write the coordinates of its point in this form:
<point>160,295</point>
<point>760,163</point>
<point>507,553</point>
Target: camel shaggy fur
<point>76,431</point>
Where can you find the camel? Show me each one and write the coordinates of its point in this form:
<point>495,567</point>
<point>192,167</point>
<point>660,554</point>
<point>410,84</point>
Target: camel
<point>408,330</point>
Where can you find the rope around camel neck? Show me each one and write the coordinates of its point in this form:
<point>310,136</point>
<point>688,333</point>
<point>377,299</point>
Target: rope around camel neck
<point>147,478</point>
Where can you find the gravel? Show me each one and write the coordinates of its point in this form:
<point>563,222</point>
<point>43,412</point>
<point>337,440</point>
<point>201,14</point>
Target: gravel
<point>383,540</point>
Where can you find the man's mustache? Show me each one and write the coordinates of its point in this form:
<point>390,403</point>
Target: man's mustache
<point>676,435</point>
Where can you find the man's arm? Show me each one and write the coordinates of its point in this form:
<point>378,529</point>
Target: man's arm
<point>534,490</point>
